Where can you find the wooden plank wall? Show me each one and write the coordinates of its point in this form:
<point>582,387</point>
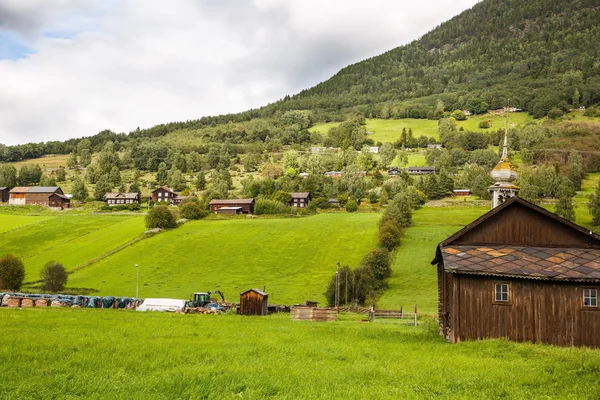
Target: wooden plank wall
<point>252,303</point>
<point>546,312</point>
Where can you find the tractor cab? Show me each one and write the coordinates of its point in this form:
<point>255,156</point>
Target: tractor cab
<point>201,299</point>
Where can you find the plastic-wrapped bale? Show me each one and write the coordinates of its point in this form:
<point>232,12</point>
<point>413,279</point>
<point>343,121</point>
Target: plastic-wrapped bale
<point>79,301</point>
<point>5,299</point>
<point>56,303</point>
<point>27,302</point>
<point>108,302</point>
<point>122,302</point>
<point>41,303</point>
<point>93,302</point>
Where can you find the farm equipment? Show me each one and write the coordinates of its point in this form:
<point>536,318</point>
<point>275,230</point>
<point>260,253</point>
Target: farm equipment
<point>202,301</point>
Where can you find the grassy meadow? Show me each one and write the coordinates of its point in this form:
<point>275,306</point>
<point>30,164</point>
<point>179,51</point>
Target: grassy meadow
<point>74,353</point>
<point>293,258</point>
<point>414,279</point>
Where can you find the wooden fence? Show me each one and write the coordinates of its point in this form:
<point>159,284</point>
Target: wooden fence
<point>374,315</point>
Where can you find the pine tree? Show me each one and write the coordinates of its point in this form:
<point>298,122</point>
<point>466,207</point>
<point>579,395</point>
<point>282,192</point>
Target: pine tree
<point>594,205</point>
<point>201,181</point>
<point>565,206</point>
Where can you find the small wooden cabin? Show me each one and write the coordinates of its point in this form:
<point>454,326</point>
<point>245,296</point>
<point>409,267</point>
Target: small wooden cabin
<point>394,171</point>
<point>4,194</point>
<point>119,199</point>
<point>163,194</point>
<point>254,302</point>
<point>300,199</point>
<point>523,273</point>
<point>421,170</point>
<point>246,204</point>
<point>462,192</point>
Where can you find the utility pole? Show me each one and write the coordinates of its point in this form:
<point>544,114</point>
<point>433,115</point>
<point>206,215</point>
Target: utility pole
<point>337,292</point>
<point>137,280</point>
<point>346,297</point>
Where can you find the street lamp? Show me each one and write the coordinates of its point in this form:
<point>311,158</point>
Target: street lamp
<point>137,279</point>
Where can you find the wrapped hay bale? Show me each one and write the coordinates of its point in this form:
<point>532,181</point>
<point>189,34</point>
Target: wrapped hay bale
<point>41,303</point>
<point>56,303</point>
<point>5,300</point>
<point>27,303</point>
<point>75,306</point>
<point>13,302</point>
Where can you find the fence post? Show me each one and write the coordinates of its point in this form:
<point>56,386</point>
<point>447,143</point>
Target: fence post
<point>415,315</point>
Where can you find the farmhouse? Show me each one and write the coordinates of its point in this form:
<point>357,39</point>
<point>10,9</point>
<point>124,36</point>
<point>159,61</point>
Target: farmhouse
<point>421,170</point>
<point>300,199</point>
<point>118,199</point>
<point>394,171</point>
<point>48,196</point>
<point>163,194</point>
<point>247,205</point>
<point>175,201</point>
<point>4,194</point>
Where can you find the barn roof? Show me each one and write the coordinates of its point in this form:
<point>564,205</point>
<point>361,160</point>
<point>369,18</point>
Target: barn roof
<point>567,264</point>
<point>164,188</point>
<point>133,195</point>
<point>44,189</point>
<point>20,189</point>
<point>232,201</point>
<point>3,188</point>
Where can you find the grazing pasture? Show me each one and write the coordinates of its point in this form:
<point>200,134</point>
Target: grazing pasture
<point>10,222</point>
<point>124,354</point>
<point>293,257</point>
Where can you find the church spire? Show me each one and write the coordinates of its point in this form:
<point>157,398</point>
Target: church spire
<point>503,175</point>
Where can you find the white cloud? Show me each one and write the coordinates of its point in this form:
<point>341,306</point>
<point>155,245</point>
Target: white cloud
<point>119,65</point>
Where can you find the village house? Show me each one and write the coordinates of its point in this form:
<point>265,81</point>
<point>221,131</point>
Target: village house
<point>462,192</point>
<point>48,196</point>
<point>119,199</point>
<point>300,199</point>
<point>246,205</point>
<point>333,174</point>
<point>432,146</point>
<point>163,194</point>
<point>4,194</point>
<point>421,170</point>
<point>394,171</point>
<point>519,272</point>
<point>175,201</point>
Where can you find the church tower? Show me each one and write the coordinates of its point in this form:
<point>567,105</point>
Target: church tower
<point>503,175</point>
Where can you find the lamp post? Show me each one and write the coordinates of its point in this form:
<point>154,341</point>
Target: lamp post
<point>137,279</point>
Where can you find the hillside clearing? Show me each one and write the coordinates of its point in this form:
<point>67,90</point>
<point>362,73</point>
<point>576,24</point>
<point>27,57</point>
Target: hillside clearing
<point>293,257</point>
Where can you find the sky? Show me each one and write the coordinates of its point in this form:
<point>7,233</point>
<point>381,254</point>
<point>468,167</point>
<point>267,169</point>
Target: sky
<point>71,68</point>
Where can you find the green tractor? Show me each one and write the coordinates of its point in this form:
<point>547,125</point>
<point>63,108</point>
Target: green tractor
<point>202,299</point>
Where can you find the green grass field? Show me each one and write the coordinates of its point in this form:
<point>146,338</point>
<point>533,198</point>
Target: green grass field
<point>11,222</point>
<point>69,239</point>
<point>414,279</point>
<point>390,130</point>
<point>93,354</point>
<point>293,257</point>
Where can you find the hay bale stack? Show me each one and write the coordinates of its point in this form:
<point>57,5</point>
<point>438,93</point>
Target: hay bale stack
<point>313,314</point>
<point>41,303</point>
<point>13,302</point>
<point>5,300</point>
<point>56,303</point>
<point>27,303</point>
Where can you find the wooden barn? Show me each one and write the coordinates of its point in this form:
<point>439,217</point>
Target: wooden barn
<point>163,194</point>
<point>523,273</point>
<point>4,194</point>
<point>254,302</point>
<point>246,204</point>
<point>300,199</point>
<point>48,196</point>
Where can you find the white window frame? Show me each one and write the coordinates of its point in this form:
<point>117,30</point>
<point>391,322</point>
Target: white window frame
<point>590,298</point>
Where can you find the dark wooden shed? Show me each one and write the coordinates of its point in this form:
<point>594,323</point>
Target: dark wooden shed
<point>4,194</point>
<point>246,204</point>
<point>523,273</point>
<point>254,302</point>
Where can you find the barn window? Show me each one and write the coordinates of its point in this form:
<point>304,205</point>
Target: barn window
<point>590,297</point>
<point>502,292</point>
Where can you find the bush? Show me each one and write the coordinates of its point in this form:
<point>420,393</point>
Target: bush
<point>351,206</point>
<point>389,234</point>
<point>590,112</point>
<point>54,277</point>
<point>378,262</point>
<point>12,272</point>
<point>555,113</point>
<point>264,206</point>
<point>343,199</point>
<point>160,217</point>
<point>373,197</point>
<point>191,210</point>
<point>485,124</point>
<point>321,202</point>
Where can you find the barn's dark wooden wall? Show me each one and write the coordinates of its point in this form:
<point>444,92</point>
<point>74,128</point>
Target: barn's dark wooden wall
<point>519,225</point>
<point>540,311</point>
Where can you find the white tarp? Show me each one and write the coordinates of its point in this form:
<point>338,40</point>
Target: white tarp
<point>171,305</point>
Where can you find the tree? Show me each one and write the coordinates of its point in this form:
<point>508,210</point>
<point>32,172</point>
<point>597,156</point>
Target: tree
<point>72,160</point>
<point>351,206</point>
<point>162,174</point>
<point>594,205</point>
<point>576,171</point>
<point>201,181</point>
<point>160,217</point>
<point>30,174</point>
<point>103,186</point>
<point>79,190</point>
<point>387,152</point>
<point>135,188</point>
<point>54,277</point>
<point>389,234</point>
<point>565,207</point>
<point>176,179</point>
<point>400,209</point>
<point>61,174</point>
<point>459,115</point>
<point>378,262</point>
<point>84,149</point>
<point>8,176</point>
<point>115,176</point>
<point>12,272</point>
<point>191,210</point>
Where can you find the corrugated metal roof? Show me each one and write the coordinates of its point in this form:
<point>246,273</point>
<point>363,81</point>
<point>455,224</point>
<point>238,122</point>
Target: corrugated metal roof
<point>300,195</point>
<point>44,189</point>
<point>20,189</point>
<point>232,201</point>
<point>255,290</point>
<point>573,264</point>
<point>121,196</point>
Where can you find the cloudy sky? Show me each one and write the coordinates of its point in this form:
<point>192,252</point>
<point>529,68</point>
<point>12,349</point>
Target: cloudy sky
<point>70,68</point>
